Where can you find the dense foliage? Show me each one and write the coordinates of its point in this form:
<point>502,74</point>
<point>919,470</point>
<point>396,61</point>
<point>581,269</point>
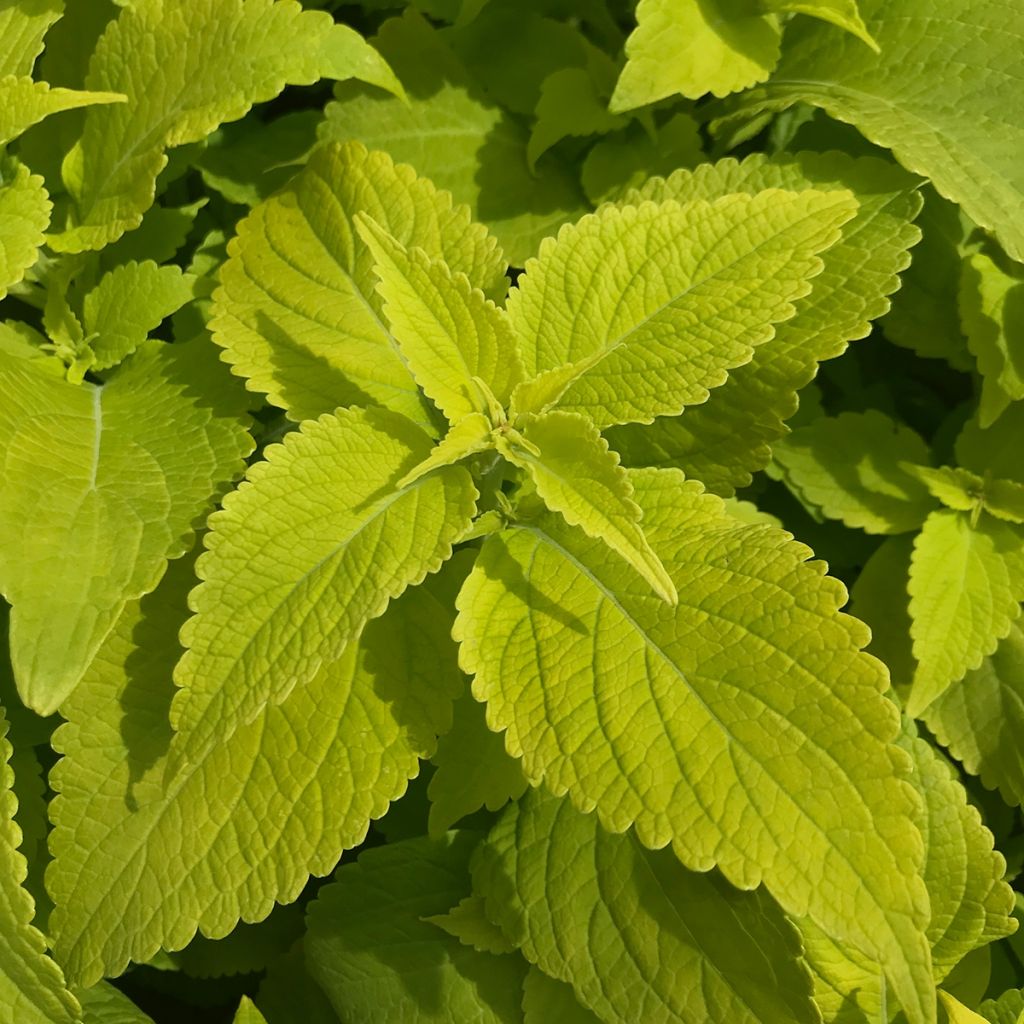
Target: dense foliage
<point>437,441</point>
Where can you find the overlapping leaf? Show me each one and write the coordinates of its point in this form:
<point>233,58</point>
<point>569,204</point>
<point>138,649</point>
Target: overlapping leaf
<point>246,824</point>
<point>545,999</point>
<point>692,289</point>
<point>764,741</point>
<point>23,23</point>
<point>636,935</point>
<point>182,79</point>
<point>24,215</point>
<point>119,473</point>
<point>298,314</point>
<point>24,103</point>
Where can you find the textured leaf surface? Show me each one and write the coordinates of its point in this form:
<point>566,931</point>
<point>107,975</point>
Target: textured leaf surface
<point>314,544</point>
<point>956,488</point>
<point>981,719</point>
<point>23,23</point>
<point>272,803</point>
<point>473,768</point>
<point>637,935</point>
<point>187,66</point>
<point>692,288</point>
<point>298,313</point>
<point>121,472</point>
<point>32,987</point>
<point>766,745</point>
<point>577,475</point>
<point>104,1004</point>
<point>992,311</point>
<point>694,47</point>
<point>469,923</point>
<point>129,302</point>
<point>23,103</point>
<point>843,13</point>
<point>447,331</point>
<point>376,958</point>
<point>849,467</point>
<point>723,441</point>
<point>1007,1009</point>
<point>24,215</point>
<point>966,585</point>
<point>545,999</point>
<point>456,136</point>
<point>962,131</point>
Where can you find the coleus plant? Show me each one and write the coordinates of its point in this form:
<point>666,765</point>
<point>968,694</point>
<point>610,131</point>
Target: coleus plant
<point>495,527</point>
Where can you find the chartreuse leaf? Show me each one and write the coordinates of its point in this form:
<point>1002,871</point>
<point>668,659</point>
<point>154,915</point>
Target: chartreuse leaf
<point>122,472</point>
<point>266,621</point>
<point>454,133</point>
<point>271,803</point>
<point>32,989</point>
<point>375,956</point>
<point>288,993</point>
<point>636,935</point>
<point>727,438</point>
<point>104,1004</point>
<point>23,23</point>
<point>958,489</point>
<point>127,303</point>
<point>447,331</point>
<point>24,103</point>
<point>545,999</point>
<point>843,13</point>
<point>694,47</point>
<point>1004,499</point>
<point>577,475</point>
<point>24,215</point>
<point>760,718</point>
<point>956,1012</point>
<point>966,585</point>
<point>1007,1009</point>
<point>992,313</point>
<point>248,1013</point>
<point>168,57</point>
<point>298,314</point>
<point>849,466</point>
<point>469,436</point>
<point>994,451</point>
<point>469,923</point>
<point>473,769</point>
<point>962,131</point>
<point>981,719</point>
<point>602,334</point>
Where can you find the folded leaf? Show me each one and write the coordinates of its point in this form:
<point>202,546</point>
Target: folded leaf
<point>576,474</point>
<point>24,215</point>
<point>966,585</point>
<point>843,13</point>
<point>849,466</point>
<point>168,57</point>
<point>265,620</point>
<point>122,471</point>
<point>694,47</point>
<point>447,331</point>
<point>247,824</point>
<point>127,303</point>
<point>962,131</point>
<point>22,27</point>
<point>766,741</point>
<point>727,438</point>
<point>957,1013</point>
<point>23,103</point>
<point>636,312</point>
<point>473,769</point>
<point>377,959</point>
<point>32,989</point>
<point>297,312</point>
<point>637,935</point>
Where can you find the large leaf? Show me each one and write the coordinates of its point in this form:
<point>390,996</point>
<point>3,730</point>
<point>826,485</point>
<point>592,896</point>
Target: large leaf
<point>23,23</point>
<point>32,989</point>
<point>723,441</point>
<point>24,215</point>
<point>766,744</point>
<point>849,467</point>
<point>962,130</point>
<point>637,935</point>
<point>635,312</point>
<point>981,719</point>
<point>377,959</point>
<point>273,802</point>
<point>119,474</point>
<point>455,135</point>
<point>297,312</point>
<point>545,1000</point>
<point>966,585</point>
<point>170,59</point>
<point>314,544</point>
<point>23,103</point>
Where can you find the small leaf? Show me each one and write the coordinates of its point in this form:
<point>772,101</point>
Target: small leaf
<point>24,215</point>
<point>958,489</point>
<point>576,474</point>
<point>23,103</point>
<point>966,585</point>
<point>469,436</point>
<point>248,1014</point>
<point>956,1012</point>
<point>843,13</point>
<point>469,924</point>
